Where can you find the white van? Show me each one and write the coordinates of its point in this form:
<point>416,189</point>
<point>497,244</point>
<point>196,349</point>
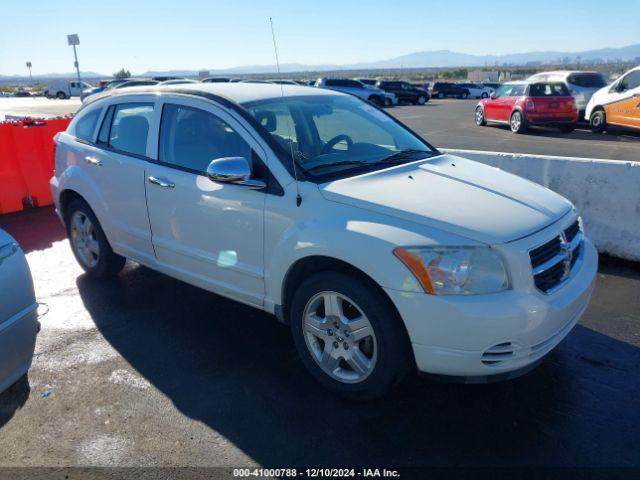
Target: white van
<point>65,89</point>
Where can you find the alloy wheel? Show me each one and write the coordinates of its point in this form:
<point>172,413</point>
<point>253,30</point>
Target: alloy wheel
<point>516,121</point>
<point>339,337</point>
<point>84,240</point>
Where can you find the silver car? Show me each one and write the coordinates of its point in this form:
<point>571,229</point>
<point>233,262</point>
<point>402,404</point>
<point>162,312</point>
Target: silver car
<point>18,313</point>
<point>581,84</point>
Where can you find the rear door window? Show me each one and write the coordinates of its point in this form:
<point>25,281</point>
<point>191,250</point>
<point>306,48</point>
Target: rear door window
<point>130,127</point>
<point>548,90</point>
<point>587,80</point>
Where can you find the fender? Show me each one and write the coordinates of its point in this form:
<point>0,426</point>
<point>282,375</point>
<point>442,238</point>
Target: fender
<point>76,179</point>
<point>359,238</point>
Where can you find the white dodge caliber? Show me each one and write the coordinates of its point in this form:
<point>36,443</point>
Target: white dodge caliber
<point>383,254</point>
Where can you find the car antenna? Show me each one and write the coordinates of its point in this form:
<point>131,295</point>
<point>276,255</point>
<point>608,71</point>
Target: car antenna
<point>293,158</point>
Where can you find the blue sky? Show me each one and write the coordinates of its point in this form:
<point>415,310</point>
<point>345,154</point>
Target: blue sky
<point>192,34</point>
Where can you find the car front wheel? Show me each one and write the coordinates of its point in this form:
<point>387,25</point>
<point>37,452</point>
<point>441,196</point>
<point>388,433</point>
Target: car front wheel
<point>484,95</point>
<point>421,100</point>
<point>598,121</point>
<point>348,337</point>
<point>89,243</point>
<point>480,120</point>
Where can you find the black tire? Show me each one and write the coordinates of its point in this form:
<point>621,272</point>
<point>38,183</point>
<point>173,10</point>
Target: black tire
<point>394,358</point>
<point>440,95</point>
<point>598,121</point>
<point>61,95</point>
<point>517,126</point>
<point>387,102</point>
<point>484,95</point>
<point>420,100</point>
<point>108,263</point>
<point>376,100</point>
<point>479,117</point>
<point>567,128</point>
<point>464,95</point>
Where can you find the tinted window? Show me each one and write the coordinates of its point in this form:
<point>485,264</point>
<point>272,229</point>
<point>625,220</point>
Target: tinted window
<point>631,81</point>
<point>87,125</point>
<point>191,138</point>
<point>130,127</point>
<point>517,91</point>
<point>504,91</point>
<point>548,90</point>
<point>587,80</point>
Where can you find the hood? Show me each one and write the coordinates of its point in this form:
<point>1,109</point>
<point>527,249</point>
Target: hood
<point>455,195</point>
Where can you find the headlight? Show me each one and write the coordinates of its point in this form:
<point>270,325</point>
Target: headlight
<point>456,270</point>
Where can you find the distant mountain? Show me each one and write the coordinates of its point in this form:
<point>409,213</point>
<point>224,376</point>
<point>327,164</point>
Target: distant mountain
<point>435,59</point>
<point>429,59</point>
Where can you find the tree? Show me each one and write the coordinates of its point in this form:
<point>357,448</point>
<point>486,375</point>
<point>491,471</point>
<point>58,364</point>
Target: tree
<point>122,74</point>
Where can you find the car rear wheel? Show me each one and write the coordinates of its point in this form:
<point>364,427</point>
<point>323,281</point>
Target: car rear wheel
<point>421,100</point>
<point>61,95</point>
<point>89,243</point>
<point>517,122</point>
<point>598,121</point>
<point>484,95</point>
<point>464,95</point>
<point>440,95</point>
<point>348,337</point>
<point>480,120</point>
<point>388,102</point>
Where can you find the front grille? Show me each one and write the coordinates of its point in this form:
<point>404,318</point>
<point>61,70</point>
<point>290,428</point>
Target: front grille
<point>553,261</point>
<point>545,252</point>
<point>571,231</point>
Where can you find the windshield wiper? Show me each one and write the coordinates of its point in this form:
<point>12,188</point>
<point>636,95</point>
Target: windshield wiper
<point>403,155</point>
<point>337,164</point>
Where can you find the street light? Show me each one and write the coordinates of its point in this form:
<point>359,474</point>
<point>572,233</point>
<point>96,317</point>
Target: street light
<point>30,76</point>
<point>74,40</point>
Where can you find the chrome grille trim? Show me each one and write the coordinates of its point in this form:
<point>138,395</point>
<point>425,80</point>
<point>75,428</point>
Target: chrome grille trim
<point>553,262</point>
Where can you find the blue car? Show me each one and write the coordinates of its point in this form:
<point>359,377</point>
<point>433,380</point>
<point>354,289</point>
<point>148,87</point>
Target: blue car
<point>18,313</point>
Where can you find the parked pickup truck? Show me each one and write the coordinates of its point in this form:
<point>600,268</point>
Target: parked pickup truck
<point>383,254</point>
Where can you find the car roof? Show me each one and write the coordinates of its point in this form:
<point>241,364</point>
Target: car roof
<point>235,92</point>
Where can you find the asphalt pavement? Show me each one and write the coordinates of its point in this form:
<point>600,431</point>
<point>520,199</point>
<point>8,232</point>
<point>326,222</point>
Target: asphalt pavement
<point>450,124</point>
<point>144,370</point>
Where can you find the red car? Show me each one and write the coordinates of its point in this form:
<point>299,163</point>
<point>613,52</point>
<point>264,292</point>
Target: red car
<point>522,104</point>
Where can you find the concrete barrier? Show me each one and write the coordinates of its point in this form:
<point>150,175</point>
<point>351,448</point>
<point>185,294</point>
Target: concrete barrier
<point>605,192</point>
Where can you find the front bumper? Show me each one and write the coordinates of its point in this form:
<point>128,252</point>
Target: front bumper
<point>484,335</point>
<point>17,344</point>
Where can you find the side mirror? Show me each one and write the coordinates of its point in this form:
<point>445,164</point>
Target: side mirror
<point>236,170</point>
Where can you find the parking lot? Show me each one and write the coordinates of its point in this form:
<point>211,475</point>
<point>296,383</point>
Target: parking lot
<point>444,123</point>
<point>450,124</point>
<point>146,370</point>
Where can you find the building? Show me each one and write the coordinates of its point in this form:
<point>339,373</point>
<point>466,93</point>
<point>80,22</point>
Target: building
<point>483,76</point>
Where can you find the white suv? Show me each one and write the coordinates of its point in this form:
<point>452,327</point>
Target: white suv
<point>581,85</point>
<point>383,254</point>
<point>357,88</point>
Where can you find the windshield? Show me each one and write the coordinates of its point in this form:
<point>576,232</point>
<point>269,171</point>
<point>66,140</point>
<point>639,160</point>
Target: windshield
<point>325,133</point>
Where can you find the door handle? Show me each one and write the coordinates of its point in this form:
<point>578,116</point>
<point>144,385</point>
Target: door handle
<point>161,182</point>
<point>8,250</point>
<point>93,161</point>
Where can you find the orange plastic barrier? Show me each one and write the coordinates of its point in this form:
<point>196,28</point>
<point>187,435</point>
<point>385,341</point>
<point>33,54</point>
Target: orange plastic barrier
<point>27,159</point>
<point>13,190</point>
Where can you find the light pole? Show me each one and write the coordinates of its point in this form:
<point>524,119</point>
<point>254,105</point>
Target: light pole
<point>30,76</point>
<point>74,40</point>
